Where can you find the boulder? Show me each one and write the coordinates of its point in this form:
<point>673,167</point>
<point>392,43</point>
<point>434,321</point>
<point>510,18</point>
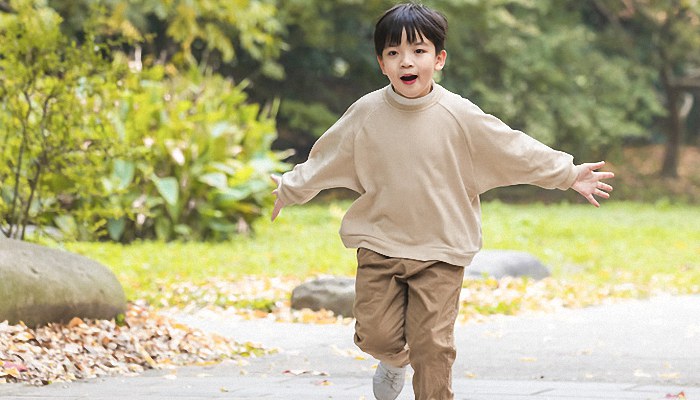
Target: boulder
<point>500,263</point>
<point>40,285</point>
<point>336,294</point>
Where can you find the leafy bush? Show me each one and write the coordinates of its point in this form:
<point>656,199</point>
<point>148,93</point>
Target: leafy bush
<point>52,110</point>
<point>198,158</point>
<point>102,151</point>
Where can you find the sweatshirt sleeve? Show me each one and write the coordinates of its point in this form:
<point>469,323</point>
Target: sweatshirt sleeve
<point>330,164</point>
<point>502,156</point>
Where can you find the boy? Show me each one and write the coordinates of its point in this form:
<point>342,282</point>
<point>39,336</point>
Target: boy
<point>419,156</point>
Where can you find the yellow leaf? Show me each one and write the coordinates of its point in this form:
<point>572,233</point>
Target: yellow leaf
<point>24,336</point>
<point>75,322</point>
<point>13,372</point>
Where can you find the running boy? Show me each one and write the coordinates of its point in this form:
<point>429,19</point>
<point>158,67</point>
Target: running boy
<point>419,156</point>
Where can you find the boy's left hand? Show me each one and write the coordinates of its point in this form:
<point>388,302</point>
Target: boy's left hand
<point>588,182</point>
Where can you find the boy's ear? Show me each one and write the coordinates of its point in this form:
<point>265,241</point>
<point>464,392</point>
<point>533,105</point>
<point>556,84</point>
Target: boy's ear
<point>440,60</point>
<point>381,64</point>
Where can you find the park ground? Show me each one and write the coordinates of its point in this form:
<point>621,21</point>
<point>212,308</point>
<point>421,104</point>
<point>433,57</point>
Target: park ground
<point>624,251</point>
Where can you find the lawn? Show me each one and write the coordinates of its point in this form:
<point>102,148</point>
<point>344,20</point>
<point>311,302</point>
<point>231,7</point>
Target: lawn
<point>654,247</point>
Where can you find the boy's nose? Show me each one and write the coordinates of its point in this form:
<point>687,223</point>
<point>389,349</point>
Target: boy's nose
<point>406,61</point>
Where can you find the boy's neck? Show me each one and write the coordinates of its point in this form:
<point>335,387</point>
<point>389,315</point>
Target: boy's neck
<point>432,86</point>
<point>413,103</point>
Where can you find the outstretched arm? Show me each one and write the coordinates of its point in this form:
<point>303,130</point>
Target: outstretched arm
<point>588,182</point>
<point>278,203</point>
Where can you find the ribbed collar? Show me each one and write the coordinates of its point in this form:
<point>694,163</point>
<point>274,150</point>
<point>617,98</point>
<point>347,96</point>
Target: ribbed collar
<point>405,104</point>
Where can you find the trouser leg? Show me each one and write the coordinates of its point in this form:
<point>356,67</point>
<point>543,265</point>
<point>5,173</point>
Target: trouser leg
<point>433,301</point>
<point>380,308</point>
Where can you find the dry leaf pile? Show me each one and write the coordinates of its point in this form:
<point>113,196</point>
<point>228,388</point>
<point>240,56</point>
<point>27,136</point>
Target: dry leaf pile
<point>248,297</point>
<point>511,296</point>
<point>269,298</point>
<point>91,348</point>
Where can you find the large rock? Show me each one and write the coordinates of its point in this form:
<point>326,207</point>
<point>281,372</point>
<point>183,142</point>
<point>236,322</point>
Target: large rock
<point>40,285</point>
<point>335,294</point>
<point>500,263</point>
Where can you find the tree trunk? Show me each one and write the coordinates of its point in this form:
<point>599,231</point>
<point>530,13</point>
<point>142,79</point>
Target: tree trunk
<point>674,126</point>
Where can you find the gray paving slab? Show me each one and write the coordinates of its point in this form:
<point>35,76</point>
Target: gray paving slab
<point>637,350</point>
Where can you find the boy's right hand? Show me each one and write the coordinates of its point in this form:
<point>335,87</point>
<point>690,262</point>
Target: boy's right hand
<point>278,203</point>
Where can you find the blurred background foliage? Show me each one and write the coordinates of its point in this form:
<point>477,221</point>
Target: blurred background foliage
<point>122,120</point>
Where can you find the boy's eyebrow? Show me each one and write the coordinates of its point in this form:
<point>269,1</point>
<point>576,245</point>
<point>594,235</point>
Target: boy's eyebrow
<point>421,43</point>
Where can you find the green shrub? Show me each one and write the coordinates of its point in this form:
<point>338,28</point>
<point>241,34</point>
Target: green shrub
<point>198,158</point>
<point>52,113</point>
<point>101,151</point>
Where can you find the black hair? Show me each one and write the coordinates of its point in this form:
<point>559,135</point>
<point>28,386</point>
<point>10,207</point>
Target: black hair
<point>418,20</point>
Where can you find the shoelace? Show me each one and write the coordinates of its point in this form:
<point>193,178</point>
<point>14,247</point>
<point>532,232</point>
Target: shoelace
<point>392,378</point>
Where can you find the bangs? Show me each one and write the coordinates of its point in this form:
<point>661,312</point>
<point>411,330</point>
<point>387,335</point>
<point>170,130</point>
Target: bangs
<point>413,35</point>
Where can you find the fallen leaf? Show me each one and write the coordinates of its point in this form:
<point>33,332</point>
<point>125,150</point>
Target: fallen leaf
<point>680,396</point>
<point>13,372</point>
<point>23,337</point>
<point>297,372</point>
<point>357,355</point>
<point>75,322</point>
<point>18,367</point>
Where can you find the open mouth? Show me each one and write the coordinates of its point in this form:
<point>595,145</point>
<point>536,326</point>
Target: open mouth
<point>409,78</point>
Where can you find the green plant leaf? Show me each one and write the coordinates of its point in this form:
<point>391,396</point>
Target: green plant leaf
<point>214,179</point>
<point>232,195</point>
<point>115,228</point>
<point>168,189</point>
<point>67,225</point>
<point>123,172</point>
<point>163,228</point>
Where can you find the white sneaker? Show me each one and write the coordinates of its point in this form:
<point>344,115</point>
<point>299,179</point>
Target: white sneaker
<point>388,381</point>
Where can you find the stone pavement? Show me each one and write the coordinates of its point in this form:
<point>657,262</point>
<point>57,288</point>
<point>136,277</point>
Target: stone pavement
<point>642,350</point>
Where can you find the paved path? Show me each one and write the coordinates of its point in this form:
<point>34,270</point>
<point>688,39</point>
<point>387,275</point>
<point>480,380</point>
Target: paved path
<point>643,350</point>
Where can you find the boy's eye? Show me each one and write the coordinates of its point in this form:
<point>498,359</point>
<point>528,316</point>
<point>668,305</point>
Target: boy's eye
<point>419,51</point>
<point>391,53</point>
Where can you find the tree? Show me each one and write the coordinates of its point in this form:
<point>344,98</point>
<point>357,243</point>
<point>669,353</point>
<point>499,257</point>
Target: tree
<point>186,33</point>
<point>664,34</point>
<point>537,66</point>
<point>328,61</point>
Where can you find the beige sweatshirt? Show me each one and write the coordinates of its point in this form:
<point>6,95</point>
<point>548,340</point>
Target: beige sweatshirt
<point>419,166</point>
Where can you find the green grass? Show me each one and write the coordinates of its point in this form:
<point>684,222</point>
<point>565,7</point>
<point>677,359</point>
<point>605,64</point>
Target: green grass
<point>618,243</point>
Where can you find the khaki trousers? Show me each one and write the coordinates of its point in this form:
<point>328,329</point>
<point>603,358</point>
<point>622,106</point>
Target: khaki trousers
<point>405,312</point>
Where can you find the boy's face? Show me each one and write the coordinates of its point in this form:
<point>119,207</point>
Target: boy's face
<point>410,66</point>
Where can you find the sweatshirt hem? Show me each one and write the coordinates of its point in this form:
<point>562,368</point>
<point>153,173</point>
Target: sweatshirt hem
<point>402,251</point>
